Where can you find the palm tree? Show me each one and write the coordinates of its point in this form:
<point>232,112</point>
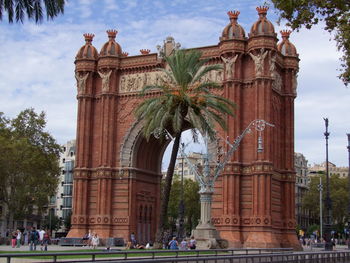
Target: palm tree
<point>17,9</point>
<point>184,102</point>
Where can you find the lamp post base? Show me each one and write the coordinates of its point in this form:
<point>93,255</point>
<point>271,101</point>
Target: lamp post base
<point>207,237</point>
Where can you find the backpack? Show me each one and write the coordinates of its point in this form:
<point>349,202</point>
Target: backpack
<point>34,235</point>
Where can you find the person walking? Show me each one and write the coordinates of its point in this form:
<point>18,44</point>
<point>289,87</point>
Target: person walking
<point>18,238</point>
<point>46,240</point>
<point>33,239</point>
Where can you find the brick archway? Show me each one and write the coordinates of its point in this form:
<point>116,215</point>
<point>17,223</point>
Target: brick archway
<point>117,174</point>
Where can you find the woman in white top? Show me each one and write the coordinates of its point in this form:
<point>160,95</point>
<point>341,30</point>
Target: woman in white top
<point>18,238</point>
<point>95,241</point>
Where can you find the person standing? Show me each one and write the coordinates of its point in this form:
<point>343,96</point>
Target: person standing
<point>95,240</point>
<point>133,239</point>
<point>18,238</point>
<point>13,239</point>
<point>33,239</point>
<point>41,239</point>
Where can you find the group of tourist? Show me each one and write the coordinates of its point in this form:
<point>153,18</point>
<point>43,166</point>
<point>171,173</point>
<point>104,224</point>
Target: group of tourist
<point>91,240</point>
<point>184,244</point>
<point>32,237</point>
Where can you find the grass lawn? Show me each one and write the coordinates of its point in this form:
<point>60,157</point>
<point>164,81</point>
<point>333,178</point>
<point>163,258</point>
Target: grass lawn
<point>110,254</point>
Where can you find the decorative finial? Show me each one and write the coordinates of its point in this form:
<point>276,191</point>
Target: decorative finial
<point>145,51</point>
<point>125,54</point>
<point>285,34</point>
<point>112,33</point>
<point>262,10</point>
<point>88,37</point>
<point>233,15</point>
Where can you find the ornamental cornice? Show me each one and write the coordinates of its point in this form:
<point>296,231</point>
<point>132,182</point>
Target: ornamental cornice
<point>291,62</point>
<point>85,65</point>
<point>85,96</point>
<point>256,221</point>
<point>258,42</point>
<point>137,61</point>
<point>237,46</point>
<point>108,62</point>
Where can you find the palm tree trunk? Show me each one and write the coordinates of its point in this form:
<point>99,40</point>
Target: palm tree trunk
<point>166,192</point>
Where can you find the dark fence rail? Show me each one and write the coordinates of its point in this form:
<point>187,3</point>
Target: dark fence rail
<point>151,255</point>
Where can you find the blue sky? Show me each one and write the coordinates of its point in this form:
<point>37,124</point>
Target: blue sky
<point>37,61</point>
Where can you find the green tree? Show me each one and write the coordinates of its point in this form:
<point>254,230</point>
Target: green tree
<point>338,194</point>
<point>33,9</point>
<point>52,222</point>
<point>335,14</point>
<point>67,222</point>
<point>191,202</point>
<point>184,102</point>
<point>29,166</point>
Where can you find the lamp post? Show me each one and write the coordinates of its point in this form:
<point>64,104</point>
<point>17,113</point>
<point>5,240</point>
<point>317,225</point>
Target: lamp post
<point>348,134</point>
<point>182,204</point>
<point>320,188</point>
<point>328,201</point>
<point>206,178</point>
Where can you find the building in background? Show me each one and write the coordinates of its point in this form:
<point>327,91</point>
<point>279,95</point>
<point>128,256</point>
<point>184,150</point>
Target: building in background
<point>304,217</point>
<point>61,204</point>
<point>194,158</point>
<point>333,169</point>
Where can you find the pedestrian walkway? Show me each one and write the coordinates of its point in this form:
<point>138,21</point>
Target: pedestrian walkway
<point>49,248</point>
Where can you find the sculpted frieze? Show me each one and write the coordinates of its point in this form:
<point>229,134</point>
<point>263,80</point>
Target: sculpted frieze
<point>136,82</point>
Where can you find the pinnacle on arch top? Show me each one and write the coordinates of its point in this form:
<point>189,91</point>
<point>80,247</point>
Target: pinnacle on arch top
<point>285,34</point>
<point>125,54</point>
<point>233,15</point>
<point>112,33</point>
<point>262,11</point>
<point>145,51</point>
<point>88,37</point>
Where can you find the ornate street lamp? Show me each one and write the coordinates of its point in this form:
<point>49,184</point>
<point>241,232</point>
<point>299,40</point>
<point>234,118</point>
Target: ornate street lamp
<point>205,230</point>
<point>348,134</point>
<point>206,179</point>
<point>328,201</point>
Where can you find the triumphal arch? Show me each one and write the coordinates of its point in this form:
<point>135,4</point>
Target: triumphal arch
<point>118,173</point>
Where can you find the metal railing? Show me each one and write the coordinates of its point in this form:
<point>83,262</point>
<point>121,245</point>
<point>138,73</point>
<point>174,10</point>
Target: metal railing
<point>302,257</point>
<point>151,255</point>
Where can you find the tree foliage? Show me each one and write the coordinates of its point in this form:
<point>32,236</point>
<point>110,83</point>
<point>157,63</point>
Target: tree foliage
<point>52,222</point>
<point>335,14</point>
<point>338,194</point>
<point>32,9</point>
<point>185,101</point>
<point>29,166</point>
<point>191,201</point>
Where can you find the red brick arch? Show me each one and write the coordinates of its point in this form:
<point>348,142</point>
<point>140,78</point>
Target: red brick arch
<point>117,171</point>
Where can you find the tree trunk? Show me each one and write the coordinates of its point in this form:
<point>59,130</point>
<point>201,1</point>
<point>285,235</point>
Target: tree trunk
<point>166,192</point>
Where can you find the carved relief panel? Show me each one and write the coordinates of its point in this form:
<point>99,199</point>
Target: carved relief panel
<point>136,82</point>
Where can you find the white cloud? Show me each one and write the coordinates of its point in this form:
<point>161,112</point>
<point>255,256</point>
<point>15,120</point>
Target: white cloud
<point>37,62</point>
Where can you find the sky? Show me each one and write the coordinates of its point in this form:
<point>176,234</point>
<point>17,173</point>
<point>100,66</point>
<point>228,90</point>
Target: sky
<point>37,61</point>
